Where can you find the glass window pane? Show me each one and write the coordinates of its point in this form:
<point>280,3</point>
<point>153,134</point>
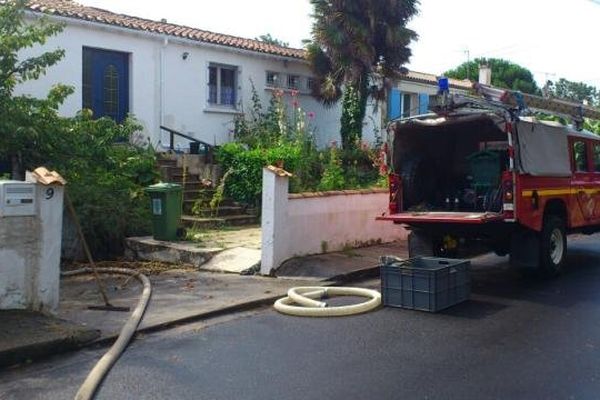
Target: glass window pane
<point>111,91</point>
<point>293,81</point>
<point>227,86</point>
<point>212,85</point>
<point>272,78</point>
<point>580,154</point>
<point>406,105</point>
<point>597,157</point>
<point>310,83</point>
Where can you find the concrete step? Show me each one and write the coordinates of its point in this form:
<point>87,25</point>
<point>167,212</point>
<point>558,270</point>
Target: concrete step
<point>172,168</point>
<point>193,194</point>
<point>149,249</point>
<point>167,172</point>
<point>188,205</point>
<point>229,220</point>
<point>222,211</point>
<point>178,176</point>
<point>167,162</point>
<point>190,185</point>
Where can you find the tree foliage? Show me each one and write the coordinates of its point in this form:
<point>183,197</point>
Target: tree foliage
<point>272,40</point>
<point>351,42</point>
<point>105,180</point>
<point>575,91</point>
<point>505,74</point>
<point>22,118</point>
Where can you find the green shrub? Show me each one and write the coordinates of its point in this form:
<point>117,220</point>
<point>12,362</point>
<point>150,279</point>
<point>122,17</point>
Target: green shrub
<point>244,184</point>
<point>333,173</point>
<point>283,133</point>
<point>105,180</point>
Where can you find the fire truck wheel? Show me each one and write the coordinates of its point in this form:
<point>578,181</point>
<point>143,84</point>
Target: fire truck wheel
<point>553,245</point>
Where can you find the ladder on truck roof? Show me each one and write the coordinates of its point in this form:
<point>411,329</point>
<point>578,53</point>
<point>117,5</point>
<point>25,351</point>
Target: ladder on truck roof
<point>523,101</point>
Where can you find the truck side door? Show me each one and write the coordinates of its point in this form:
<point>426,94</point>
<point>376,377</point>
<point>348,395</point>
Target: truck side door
<point>595,151</point>
<point>582,202</point>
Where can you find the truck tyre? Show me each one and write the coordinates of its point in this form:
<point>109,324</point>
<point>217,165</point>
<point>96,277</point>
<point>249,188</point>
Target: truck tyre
<point>420,244</point>
<point>553,246</point>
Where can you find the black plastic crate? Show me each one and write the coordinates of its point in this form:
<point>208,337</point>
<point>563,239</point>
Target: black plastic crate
<point>425,283</point>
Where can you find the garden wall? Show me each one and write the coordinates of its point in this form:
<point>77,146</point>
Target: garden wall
<point>313,223</point>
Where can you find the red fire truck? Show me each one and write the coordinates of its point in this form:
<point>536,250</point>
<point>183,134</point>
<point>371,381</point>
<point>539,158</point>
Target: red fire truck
<point>484,172</point>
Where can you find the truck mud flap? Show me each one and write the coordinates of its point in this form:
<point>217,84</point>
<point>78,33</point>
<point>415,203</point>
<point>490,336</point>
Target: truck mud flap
<point>525,250</point>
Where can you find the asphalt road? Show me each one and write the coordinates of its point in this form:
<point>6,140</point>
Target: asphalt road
<point>516,339</point>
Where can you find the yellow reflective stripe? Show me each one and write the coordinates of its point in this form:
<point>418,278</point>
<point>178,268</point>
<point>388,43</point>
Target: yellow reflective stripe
<point>558,192</point>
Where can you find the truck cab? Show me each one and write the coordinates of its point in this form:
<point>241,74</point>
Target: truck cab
<point>482,175</point>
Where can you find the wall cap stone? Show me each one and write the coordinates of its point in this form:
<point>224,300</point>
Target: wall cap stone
<point>308,195</point>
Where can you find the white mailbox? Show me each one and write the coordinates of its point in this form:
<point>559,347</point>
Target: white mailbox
<point>17,199</point>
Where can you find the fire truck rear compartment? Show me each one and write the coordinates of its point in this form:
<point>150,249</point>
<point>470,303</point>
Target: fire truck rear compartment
<point>451,166</point>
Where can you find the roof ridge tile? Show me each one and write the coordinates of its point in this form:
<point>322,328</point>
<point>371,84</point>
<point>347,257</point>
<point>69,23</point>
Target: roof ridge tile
<point>72,9</point>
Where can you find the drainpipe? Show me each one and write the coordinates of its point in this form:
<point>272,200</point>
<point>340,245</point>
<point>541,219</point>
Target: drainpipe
<point>161,84</point>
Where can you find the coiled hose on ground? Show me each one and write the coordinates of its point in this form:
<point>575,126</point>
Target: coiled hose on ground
<point>308,307</point>
<point>95,377</point>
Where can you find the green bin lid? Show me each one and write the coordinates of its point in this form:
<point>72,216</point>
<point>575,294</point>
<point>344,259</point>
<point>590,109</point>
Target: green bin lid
<point>163,187</point>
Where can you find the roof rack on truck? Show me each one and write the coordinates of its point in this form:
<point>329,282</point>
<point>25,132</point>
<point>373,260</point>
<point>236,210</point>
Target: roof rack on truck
<point>517,103</point>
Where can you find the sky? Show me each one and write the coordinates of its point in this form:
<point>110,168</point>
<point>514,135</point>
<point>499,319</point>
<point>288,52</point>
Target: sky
<point>553,38</point>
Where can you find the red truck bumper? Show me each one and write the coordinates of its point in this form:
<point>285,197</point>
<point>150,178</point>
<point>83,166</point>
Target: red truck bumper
<point>442,217</point>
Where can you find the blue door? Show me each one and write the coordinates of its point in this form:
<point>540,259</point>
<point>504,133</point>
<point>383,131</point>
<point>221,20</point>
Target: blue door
<point>106,83</point>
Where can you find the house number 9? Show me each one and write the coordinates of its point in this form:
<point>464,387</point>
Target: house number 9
<point>49,193</point>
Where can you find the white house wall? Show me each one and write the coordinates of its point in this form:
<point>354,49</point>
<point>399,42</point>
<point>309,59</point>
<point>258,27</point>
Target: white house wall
<point>186,107</point>
<point>156,61</point>
<point>143,73</point>
<point>185,89</point>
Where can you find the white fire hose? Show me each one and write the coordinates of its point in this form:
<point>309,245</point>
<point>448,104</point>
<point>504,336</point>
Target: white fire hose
<point>308,307</point>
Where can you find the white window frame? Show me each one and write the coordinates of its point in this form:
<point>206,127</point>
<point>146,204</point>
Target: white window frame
<point>310,82</point>
<point>277,79</point>
<point>236,88</point>
<point>298,81</point>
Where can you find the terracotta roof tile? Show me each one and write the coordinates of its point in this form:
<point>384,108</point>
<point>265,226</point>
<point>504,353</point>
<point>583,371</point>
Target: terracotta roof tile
<point>432,79</point>
<point>71,9</point>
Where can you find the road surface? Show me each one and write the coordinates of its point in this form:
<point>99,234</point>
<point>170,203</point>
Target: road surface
<point>516,339</point>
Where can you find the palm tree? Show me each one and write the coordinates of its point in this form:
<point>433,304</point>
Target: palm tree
<point>350,39</point>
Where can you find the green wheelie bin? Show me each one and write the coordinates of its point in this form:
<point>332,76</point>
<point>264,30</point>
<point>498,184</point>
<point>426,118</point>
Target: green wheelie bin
<point>166,202</point>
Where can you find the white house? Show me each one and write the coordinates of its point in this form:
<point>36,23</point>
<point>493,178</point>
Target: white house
<point>187,79</point>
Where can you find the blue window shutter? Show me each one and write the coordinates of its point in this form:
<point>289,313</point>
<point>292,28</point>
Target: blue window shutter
<point>423,103</point>
<point>394,106</point>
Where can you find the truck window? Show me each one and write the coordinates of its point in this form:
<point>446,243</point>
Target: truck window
<point>597,157</point>
<point>580,156</point>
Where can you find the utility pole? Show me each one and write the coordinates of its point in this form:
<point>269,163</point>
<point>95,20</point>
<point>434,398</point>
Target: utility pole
<point>468,54</point>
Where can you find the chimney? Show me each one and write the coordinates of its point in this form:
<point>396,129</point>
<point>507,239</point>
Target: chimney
<point>485,74</point>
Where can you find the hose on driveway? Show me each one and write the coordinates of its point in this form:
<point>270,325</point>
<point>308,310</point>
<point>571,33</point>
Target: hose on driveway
<point>308,307</point>
<point>97,374</point>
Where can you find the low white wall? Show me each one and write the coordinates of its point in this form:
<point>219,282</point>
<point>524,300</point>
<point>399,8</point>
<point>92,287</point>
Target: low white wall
<point>30,254</point>
<point>313,223</point>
